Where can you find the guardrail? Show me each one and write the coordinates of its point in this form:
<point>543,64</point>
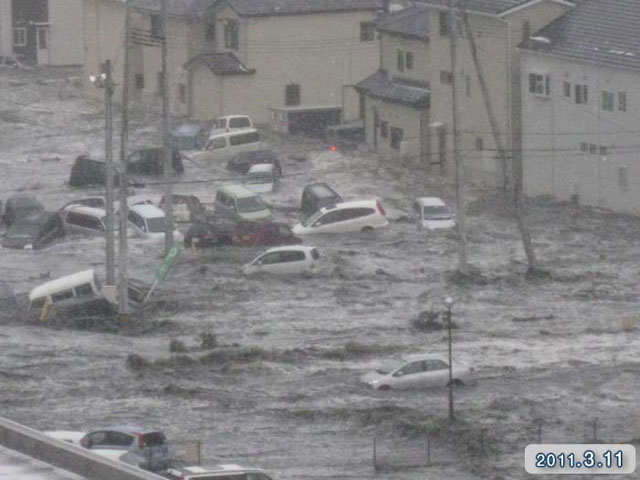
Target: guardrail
<point>68,457</point>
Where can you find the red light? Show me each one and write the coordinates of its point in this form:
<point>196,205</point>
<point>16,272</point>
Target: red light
<point>333,148</point>
<point>471,369</point>
<point>380,209</point>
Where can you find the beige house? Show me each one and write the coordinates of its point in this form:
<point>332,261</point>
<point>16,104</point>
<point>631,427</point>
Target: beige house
<point>105,19</point>
<point>581,107</point>
<point>415,58</point>
<point>291,63</point>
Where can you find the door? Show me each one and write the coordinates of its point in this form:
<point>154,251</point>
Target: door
<point>376,125</point>
<point>42,45</point>
<point>409,376</point>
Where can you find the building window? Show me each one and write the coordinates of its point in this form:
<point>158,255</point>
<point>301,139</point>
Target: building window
<point>19,37</point>
<point>396,137</point>
<point>210,32</point>
<point>384,129</point>
<point>607,101</point>
<point>603,150</point>
<point>593,148</point>
<point>231,34</point>
<point>400,61</point>
<point>42,38</point>
<point>160,89</point>
<point>622,101</point>
<point>139,78</point>
<point>622,177</point>
<point>367,31</point>
<point>479,143</point>
<point>581,93</point>
<point>408,60</point>
<point>292,95</point>
<point>584,147</point>
<point>566,88</point>
<point>539,84</point>
<point>182,93</point>
<point>446,77</point>
<point>445,24</point>
<point>467,85</point>
<point>361,106</point>
<point>156,27</point>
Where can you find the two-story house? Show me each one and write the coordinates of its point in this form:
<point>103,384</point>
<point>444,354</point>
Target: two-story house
<point>581,106</point>
<point>270,58</point>
<point>47,31</point>
<point>415,65</point>
<point>104,22</point>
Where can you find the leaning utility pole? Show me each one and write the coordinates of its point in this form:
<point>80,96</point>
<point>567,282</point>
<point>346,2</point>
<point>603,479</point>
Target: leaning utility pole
<point>108,94</point>
<point>459,167</point>
<point>124,135</point>
<point>168,186</point>
<point>516,163</point>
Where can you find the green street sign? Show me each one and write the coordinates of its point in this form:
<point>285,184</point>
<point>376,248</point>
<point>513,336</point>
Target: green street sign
<point>167,263</point>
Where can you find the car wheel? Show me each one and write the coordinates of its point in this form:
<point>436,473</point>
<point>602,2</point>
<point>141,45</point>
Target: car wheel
<point>384,388</point>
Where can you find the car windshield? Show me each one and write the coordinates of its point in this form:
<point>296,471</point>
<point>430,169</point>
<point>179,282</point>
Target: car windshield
<point>155,225</point>
<point>310,220</point>
<point>250,204</point>
<point>25,230</point>
<point>436,211</point>
<point>390,366</point>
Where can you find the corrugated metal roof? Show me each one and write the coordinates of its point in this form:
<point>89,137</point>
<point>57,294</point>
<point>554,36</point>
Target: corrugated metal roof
<point>494,7</point>
<point>225,63</point>
<point>601,31</point>
<point>176,7</point>
<point>256,8</point>
<point>411,22</point>
<point>379,85</point>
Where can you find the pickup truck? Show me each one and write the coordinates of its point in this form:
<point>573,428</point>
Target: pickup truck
<point>218,231</point>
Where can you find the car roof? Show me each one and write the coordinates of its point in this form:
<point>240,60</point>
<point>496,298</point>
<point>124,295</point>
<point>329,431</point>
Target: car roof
<point>238,191</point>
<point>261,168</point>
<point>298,248</point>
<point>350,204</point>
<point>187,130</point>
<point>224,468</point>
<point>321,190</point>
<point>72,280</point>
<point>238,131</point>
<point>94,212</point>
<point>430,201</point>
<point>422,356</point>
<point>141,198</point>
<point>35,218</point>
<point>147,211</point>
<point>127,428</point>
<point>232,116</point>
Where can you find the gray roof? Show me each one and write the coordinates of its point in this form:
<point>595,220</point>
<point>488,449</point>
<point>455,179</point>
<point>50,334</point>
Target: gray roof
<point>220,63</point>
<point>380,86</point>
<point>601,31</point>
<point>493,7</point>
<point>410,22</point>
<point>176,7</point>
<point>257,8</point>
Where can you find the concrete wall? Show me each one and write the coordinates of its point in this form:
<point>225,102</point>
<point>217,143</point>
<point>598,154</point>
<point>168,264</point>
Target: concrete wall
<point>555,127</point>
<point>66,35</point>
<point>59,454</point>
<point>6,37</point>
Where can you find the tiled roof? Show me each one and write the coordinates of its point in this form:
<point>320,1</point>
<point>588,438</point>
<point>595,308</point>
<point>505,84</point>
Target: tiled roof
<point>257,8</point>
<point>493,7</point>
<point>220,63</point>
<point>176,7</point>
<point>378,85</point>
<point>601,31</point>
<point>410,22</point>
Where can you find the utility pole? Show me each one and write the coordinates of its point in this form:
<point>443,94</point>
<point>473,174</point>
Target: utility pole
<point>168,186</point>
<point>108,94</point>
<point>459,167</point>
<point>123,309</point>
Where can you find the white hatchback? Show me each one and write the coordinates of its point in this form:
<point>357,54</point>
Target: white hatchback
<point>415,372</point>
<point>147,221</point>
<point>432,213</point>
<point>353,216</point>
<point>290,259</point>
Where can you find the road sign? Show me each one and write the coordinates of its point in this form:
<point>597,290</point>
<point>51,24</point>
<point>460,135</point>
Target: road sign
<point>167,263</point>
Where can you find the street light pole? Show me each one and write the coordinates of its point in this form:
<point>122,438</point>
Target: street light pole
<point>449,304</point>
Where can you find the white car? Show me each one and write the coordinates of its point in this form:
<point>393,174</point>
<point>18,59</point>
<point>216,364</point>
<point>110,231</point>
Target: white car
<point>73,438</point>
<point>261,178</point>
<point>290,259</point>
<point>216,472</point>
<point>415,372</point>
<point>353,216</point>
<point>432,213</point>
<point>230,123</point>
<point>147,221</point>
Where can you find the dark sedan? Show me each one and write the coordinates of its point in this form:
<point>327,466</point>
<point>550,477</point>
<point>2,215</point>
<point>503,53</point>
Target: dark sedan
<point>150,161</point>
<point>18,207</point>
<point>243,161</point>
<point>34,231</point>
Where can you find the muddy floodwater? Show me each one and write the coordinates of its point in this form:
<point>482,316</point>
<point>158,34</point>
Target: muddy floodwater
<point>556,357</point>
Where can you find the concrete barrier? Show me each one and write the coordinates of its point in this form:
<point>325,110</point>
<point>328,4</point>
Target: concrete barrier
<point>68,457</point>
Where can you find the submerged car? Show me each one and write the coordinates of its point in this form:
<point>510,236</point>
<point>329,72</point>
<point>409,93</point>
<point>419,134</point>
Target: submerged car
<point>284,260</point>
<point>261,178</point>
<point>216,472</point>
<point>416,372</point>
<point>150,161</point>
<point>148,221</point>
<point>211,232</point>
<point>316,196</point>
<point>189,136</point>
<point>34,231</point>
<point>20,206</point>
<point>87,172</point>
<point>432,213</point>
<point>243,161</point>
<point>353,216</point>
<point>230,123</point>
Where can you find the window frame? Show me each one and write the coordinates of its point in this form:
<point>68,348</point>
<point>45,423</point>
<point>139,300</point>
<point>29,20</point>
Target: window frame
<point>400,60</point>
<point>607,101</point>
<point>156,27</point>
<point>395,137</point>
<point>367,31</point>
<point>292,94</point>
<point>22,32</point>
<point>622,101</point>
<point>232,34</point>
<point>539,84</point>
<point>408,60</point>
<point>581,93</point>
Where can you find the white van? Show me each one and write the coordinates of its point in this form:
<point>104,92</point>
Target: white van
<point>224,145</point>
<point>81,284</point>
<point>239,203</point>
<point>230,123</point>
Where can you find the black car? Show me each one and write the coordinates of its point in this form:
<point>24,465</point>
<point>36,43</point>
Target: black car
<point>243,161</point>
<point>210,233</point>
<point>318,195</point>
<point>150,161</point>
<point>35,230</point>
<point>89,172</point>
<point>18,207</point>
